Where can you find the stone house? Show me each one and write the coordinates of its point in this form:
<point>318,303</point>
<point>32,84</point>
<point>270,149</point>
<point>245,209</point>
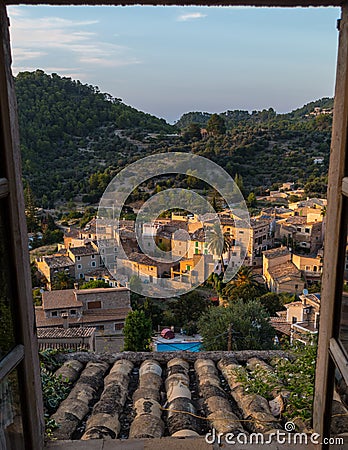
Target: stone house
<point>50,266</point>
<point>86,258</point>
<point>303,315</point>
<point>72,339</point>
<point>280,273</point>
<point>104,309</point>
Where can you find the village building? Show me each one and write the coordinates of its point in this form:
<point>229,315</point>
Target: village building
<point>50,266</point>
<point>311,266</point>
<point>297,232</point>
<point>280,273</point>
<point>67,339</point>
<point>103,309</point>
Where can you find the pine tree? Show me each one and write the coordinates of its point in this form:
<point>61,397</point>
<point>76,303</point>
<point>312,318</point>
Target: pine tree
<point>30,210</point>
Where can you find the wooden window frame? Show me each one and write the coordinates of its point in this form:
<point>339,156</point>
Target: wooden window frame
<point>330,353</point>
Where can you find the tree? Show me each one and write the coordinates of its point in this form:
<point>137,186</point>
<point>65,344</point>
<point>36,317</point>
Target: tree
<point>193,131</point>
<point>216,125</point>
<point>188,307</point>
<point>218,243</point>
<point>251,329</point>
<point>244,286</point>
<point>62,280</point>
<point>95,284</point>
<point>251,200</point>
<point>272,303</point>
<point>30,210</point>
<point>238,179</point>
<point>137,332</point>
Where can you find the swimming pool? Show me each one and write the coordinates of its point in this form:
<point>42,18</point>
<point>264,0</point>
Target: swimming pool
<point>191,346</point>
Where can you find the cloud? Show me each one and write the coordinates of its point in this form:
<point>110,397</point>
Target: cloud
<point>64,41</point>
<point>191,16</point>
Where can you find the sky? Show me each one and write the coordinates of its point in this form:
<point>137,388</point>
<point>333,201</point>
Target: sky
<point>170,60</point>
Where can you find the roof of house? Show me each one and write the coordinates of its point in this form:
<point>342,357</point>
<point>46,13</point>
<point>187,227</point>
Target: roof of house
<point>62,298</point>
<point>276,252</point>
<point>133,392</point>
<point>64,333</point>
<point>58,262</point>
<point>142,259</point>
<point>84,250</point>
<point>91,317</point>
<point>95,291</point>
<point>285,272</point>
<point>199,235</point>
<point>281,325</point>
<point>101,272</point>
<point>72,232</point>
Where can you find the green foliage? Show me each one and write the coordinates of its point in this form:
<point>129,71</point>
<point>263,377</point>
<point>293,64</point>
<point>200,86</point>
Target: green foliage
<point>272,302</point>
<point>250,327</point>
<point>193,131</point>
<point>55,389</point>
<point>30,210</point>
<point>244,286</point>
<point>251,200</point>
<point>216,125</point>
<point>297,375</point>
<point>67,130</point>
<point>63,280</point>
<point>187,308</point>
<point>137,332</point>
<point>95,284</point>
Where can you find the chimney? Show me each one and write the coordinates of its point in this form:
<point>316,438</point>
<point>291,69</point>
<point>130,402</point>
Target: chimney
<point>65,321</point>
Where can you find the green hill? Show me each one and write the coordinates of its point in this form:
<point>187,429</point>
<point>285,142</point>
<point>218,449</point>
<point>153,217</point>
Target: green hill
<point>75,138</point>
<point>70,131</point>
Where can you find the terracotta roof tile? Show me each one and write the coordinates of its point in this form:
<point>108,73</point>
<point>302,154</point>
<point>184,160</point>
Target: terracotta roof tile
<point>57,299</point>
<point>145,395</point>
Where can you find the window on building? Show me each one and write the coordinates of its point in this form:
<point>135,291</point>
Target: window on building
<point>79,266</point>
<point>73,312</point>
<point>99,327</point>
<point>94,305</point>
<point>294,319</point>
<point>93,264</point>
<point>119,326</point>
<point>78,258</point>
<point>93,256</point>
<point>54,313</point>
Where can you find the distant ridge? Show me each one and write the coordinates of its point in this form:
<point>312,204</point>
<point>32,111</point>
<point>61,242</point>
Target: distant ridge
<point>237,116</point>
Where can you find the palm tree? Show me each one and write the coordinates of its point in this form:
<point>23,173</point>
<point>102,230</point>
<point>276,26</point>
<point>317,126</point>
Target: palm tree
<point>244,278</point>
<point>218,243</point>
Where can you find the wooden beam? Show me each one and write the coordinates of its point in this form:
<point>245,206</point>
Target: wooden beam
<point>29,375</point>
<point>334,219</point>
<point>257,3</point>
<point>3,187</point>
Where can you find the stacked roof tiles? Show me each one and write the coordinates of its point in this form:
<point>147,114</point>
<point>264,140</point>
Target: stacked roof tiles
<point>153,395</point>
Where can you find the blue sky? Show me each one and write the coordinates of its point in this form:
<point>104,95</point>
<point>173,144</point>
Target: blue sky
<point>171,60</point>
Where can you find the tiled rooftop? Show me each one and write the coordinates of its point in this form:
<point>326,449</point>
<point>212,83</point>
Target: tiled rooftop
<point>89,317</point>
<point>83,251</point>
<point>56,262</point>
<point>285,271</point>
<point>64,298</point>
<point>153,395</point>
<point>49,333</point>
<point>136,401</point>
<point>276,252</point>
